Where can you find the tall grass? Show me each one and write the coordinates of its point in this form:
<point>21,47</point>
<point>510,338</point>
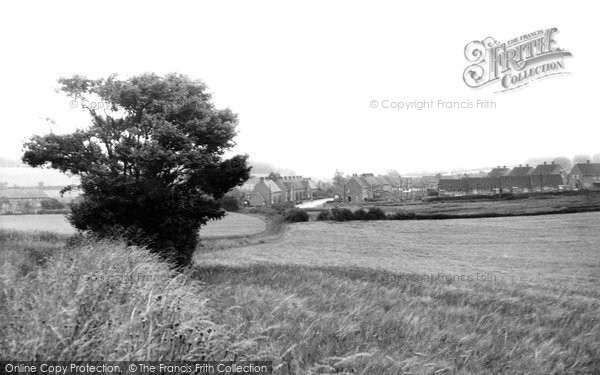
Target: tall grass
<point>356,320</point>
<point>100,300</point>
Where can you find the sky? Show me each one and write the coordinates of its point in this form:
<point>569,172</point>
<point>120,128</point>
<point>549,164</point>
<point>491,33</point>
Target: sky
<point>303,76</point>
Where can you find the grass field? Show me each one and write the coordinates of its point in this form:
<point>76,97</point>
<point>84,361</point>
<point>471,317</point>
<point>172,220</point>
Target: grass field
<point>537,204</point>
<point>512,295</point>
<point>233,224</point>
<point>466,296</point>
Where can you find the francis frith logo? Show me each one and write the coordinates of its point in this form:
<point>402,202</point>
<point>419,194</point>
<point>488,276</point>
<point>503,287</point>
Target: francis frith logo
<point>514,63</point>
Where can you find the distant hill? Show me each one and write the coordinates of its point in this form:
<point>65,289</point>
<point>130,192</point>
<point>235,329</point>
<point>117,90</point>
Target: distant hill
<point>259,168</point>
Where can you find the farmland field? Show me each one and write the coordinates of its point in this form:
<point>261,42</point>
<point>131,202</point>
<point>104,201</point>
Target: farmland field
<point>233,224</point>
<point>537,204</point>
<point>510,295</point>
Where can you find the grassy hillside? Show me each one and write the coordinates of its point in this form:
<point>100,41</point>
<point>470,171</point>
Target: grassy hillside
<point>102,301</point>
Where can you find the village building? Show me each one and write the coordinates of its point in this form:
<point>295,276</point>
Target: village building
<point>499,171</point>
<point>521,170</point>
<point>295,188</point>
<point>21,201</point>
<point>585,176</point>
<point>357,190</point>
<point>266,192</point>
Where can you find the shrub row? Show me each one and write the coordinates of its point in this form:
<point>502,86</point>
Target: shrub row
<point>344,214</point>
<point>295,215</point>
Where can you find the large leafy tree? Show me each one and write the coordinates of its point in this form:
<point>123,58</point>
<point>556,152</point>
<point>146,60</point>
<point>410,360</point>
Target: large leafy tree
<point>151,164</point>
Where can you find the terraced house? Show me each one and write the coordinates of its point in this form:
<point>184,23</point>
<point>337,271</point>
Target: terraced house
<point>21,201</point>
<point>286,189</point>
<point>521,179</point>
<point>360,188</point>
<point>585,176</point>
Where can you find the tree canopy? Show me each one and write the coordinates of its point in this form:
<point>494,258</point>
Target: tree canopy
<point>151,163</point>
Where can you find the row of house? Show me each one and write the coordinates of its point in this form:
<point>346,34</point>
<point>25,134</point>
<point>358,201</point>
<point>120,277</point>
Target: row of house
<point>267,191</point>
<point>544,177</point>
<point>25,200</point>
<point>520,179</point>
<point>360,188</point>
<point>20,201</point>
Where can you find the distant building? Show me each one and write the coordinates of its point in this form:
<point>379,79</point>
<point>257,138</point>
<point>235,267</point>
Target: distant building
<point>548,169</point>
<point>504,184</point>
<point>21,201</point>
<point>361,188</point>
<point>499,171</point>
<point>585,176</point>
<point>266,191</point>
<point>521,170</point>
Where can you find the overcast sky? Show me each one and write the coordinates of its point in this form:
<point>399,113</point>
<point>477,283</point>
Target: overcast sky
<point>302,77</point>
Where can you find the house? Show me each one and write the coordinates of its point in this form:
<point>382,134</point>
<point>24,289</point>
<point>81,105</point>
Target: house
<point>357,190</point>
<point>521,170</point>
<point>505,184</point>
<point>549,169</point>
<point>310,186</point>
<point>585,176</point>
<point>19,201</point>
<point>266,192</point>
<point>286,189</point>
<point>499,171</point>
<point>295,188</point>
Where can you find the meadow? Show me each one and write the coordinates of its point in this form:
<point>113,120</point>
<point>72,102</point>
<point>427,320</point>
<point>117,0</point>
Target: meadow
<point>464,296</point>
<point>498,295</point>
<point>233,224</point>
<point>480,206</point>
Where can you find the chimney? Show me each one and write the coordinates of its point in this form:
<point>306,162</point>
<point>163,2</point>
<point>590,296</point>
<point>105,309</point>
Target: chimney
<point>520,165</point>
<point>588,161</point>
<point>262,179</point>
<point>552,162</point>
<point>545,163</point>
<point>527,165</point>
<point>504,167</point>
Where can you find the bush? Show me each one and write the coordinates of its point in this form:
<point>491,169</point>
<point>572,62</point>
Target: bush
<point>52,204</point>
<point>295,215</point>
<point>282,207</point>
<point>376,214</point>
<point>230,203</point>
<point>323,216</point>
<point>341,214</point>
<point>403,215</point>
<point>360,214</point>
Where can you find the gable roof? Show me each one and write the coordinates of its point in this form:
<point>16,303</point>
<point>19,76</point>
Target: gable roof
<point>499,171</point>
<point>521,171</point>
<point>547,169</point>
<point>294,184</point>
<point>23,194</point>
<point>375,181</point>
<point>272,185</point>
<point>361,181</point>
<point>588,169</point>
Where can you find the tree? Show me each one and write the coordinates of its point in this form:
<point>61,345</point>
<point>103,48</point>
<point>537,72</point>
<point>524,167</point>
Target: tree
<point>580,159</point>
<point>151,165</point>
<point>274,176</point>
<point>339,182</point>
<point>564,162</point>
